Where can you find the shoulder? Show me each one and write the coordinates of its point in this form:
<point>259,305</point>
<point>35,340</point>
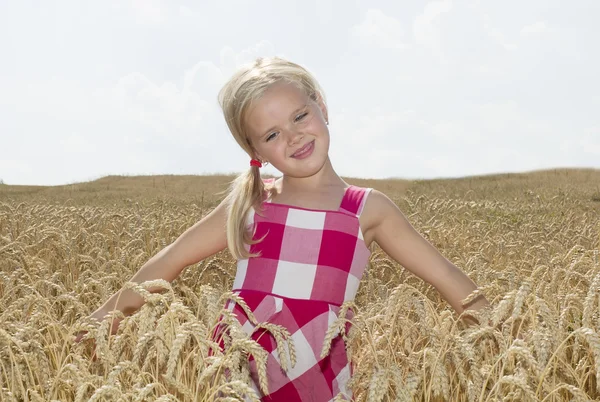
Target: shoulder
<point>377,208</point>
<point>378,205</point>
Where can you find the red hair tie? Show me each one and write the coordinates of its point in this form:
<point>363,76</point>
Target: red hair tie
<point>254,162</point>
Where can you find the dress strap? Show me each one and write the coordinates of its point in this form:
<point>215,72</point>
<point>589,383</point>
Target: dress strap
<point>354,200</point>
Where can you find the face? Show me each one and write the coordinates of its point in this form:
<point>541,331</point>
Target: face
<point>289,130</point>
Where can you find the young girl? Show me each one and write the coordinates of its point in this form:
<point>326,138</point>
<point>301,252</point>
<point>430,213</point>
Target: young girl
<point>302,241</point>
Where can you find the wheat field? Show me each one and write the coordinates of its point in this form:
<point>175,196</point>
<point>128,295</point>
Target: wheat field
<point>530,241</point>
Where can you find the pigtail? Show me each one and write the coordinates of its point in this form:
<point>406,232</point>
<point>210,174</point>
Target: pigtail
<point>246,192</point>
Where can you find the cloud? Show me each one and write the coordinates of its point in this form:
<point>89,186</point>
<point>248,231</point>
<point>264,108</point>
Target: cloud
<point>590,141</point>
<point>536,28</point>
<point>325,10</point>
<point>230,60</point>
<point>175,127</point>
<point>204,78</point>
<point>187,12</point>
<point>380,30</point>
<point>425,27</point>
<point>149,11</point>
<point>138,125</point>
<point>161,110</point>
<point>455,102</point>
<point>482,138</point>
<point>13,169</point>
<point>495,34</point>
<point>76,143</point>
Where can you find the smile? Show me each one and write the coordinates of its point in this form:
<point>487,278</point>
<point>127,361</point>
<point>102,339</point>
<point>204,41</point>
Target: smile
<point>305,151</point>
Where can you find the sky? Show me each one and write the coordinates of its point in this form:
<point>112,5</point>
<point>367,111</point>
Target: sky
<point>415,89</point>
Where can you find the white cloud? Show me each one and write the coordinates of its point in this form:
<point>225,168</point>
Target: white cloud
<point>455,102</point>
<point>425,26</point>
<point>76,143</point>
<point>262,48</point>
<point>380,30</point>
<point>483,138</point>
<point>136,126</point>
<point>204,78</point>
<point>590,141</point>
<point>536,28</point>
<point>187,12</point>
<point>165,109</point>
<point>496,34</point>
<point>452,132</point>
<point>149,11</point>
<point>325,10</point>
<point>14,169</point>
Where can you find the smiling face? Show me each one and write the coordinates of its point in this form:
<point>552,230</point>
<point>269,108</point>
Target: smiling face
<point>288,129</point>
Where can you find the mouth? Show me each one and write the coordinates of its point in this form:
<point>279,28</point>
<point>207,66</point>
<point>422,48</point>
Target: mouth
<point>304,151</point>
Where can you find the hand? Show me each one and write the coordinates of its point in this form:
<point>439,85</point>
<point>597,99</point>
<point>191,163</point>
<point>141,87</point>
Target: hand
<point>97,316</point>
<point>79,335</point>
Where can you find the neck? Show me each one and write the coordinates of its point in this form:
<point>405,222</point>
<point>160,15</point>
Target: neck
<point>325,177</point>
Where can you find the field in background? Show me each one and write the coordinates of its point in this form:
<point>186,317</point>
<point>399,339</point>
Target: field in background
<point>531,241</point>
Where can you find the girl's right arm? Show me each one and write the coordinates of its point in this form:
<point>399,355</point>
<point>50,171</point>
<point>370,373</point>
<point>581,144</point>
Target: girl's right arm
<point>203,239</point>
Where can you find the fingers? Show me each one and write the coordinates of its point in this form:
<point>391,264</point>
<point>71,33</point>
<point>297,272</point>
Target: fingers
<point>79,335</point>
<point>115,326</point>
<point>90,344</point>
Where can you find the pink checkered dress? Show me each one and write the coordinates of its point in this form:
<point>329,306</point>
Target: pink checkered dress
<point>312,261</point>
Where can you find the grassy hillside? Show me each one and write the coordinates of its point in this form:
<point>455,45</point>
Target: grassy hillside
<point>583,184</point>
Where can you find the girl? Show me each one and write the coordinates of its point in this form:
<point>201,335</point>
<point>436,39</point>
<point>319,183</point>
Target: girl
<point>302,241</point>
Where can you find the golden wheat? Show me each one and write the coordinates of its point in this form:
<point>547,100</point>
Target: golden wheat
<point>530,241</point>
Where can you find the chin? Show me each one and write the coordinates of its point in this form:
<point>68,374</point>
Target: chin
<point>313,168</point>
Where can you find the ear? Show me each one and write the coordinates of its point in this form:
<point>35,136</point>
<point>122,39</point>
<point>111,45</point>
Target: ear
<point>258,156</point>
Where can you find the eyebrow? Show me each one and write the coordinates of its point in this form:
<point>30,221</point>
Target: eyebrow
<point>272,128</point>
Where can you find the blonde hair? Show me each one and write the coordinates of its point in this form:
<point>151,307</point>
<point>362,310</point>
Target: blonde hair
<point>246,86</point>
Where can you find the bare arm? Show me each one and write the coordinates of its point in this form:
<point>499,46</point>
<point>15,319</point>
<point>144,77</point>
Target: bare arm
<point>203,239</point>
<point>396,236</point>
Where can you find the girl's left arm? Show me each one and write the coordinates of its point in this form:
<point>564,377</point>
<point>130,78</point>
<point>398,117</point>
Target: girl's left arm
<point>396,236</point>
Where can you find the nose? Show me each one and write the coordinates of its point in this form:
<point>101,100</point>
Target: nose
<point>294,136</point>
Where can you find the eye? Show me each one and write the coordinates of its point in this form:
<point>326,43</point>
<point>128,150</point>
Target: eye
<point>271,136</point>
<point>301,116</point>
